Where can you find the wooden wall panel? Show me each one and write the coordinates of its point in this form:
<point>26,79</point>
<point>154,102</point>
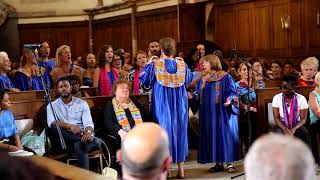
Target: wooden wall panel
<point>257,29</point>
<point>225,34</point>
<point>261,26</point>
<point>116,32</point>
<point>243,19</point>
<point>279,36</point>
<point>314,29</point>
<point>192,21</point>
<point>73,34</point>
<point>156,26</point>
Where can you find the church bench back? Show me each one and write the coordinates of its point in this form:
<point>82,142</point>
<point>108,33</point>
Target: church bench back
<point>34,95</point>
<point>35,109</point>
<point>265,96</point>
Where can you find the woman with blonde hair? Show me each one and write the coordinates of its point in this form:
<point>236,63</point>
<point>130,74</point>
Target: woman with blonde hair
<point>219,140</point>
<point>5,68</point>
<point>64,66</point>
<point>314,104</point>
<point>28,76</point>
<point>309,68</point>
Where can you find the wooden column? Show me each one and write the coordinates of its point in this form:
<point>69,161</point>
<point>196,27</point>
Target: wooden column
<point>90,33</point>
<point>134,30</point>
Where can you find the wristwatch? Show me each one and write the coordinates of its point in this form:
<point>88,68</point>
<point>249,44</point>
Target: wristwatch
<point>89,131</point>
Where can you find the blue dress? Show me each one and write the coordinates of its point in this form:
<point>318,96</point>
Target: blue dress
<point>7,125</point>
<point>170,108</point>
<point>6,83</point>
<point>219,135</point>
<point>48,65</point>
<point>26,83</point>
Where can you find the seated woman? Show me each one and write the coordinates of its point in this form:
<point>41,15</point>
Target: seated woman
<point>127,62</point>
<point>309,68</point>
<point>8,129</point>
<point>28,76</point>
<point>258,70</point>
<point>276,70</point>
<point>117,62</point>
<point>290,110</point>
<point>105,75</point>
<point>314,104</point>
<point>64,66</point>
<point>75,84</point>
<point>121,114</point>
<point>5,68</point>
<point>141,60</point>
<point>90,66</point>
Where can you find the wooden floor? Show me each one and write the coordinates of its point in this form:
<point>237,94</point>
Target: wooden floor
<point>193,170</point>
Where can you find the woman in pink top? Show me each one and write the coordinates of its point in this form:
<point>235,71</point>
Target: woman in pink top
<point>106,74</point>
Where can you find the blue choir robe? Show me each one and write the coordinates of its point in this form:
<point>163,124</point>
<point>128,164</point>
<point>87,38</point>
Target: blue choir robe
<point>5,83</point>
<point>27,81</point>
<point>219,135</point>
<point>170,108</point>
<point>48,65</point>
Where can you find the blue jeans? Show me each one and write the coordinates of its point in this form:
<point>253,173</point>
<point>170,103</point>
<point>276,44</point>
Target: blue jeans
<point>74,145</point>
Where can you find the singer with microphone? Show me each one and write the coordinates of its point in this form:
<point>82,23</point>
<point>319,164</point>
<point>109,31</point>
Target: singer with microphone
<point>290,110</point>
<point>28,76</point>
<point>75,121</point>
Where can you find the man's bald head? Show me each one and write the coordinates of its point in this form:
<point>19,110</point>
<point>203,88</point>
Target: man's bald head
<point>145,150</point>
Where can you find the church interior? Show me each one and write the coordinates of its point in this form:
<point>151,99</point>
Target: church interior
<point>281,37</point>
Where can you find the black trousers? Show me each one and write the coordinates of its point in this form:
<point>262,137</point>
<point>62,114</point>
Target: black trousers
<point>301,133</point>
<point>73,143</point>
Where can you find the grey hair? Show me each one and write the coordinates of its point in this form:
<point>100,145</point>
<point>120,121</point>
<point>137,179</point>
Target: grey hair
<point>150,166</point>
<point>279,157</point>
<point>3,56</point>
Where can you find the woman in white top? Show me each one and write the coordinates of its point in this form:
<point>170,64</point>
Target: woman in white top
<point>290,110</point>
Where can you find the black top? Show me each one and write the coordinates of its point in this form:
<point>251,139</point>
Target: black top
<point>111,125</point>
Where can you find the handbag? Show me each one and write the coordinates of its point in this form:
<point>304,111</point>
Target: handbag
<point>34,142</point>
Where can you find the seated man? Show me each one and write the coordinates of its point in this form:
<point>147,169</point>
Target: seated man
<point>275,157</point>
<point>145,153</point>
<point>74,118</point>
<point>290,110</point>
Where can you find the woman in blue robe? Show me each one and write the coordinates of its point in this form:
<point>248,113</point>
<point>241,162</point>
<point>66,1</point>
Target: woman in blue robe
<point>218,139</point>
<point>169,78</point>
<point>28,76</point>
<point>5,68</point>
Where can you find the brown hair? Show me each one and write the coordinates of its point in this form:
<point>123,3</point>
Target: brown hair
<point>168,46</point>
<point>118,82</point>
<point>23,60</point>
<point>101,55</point>
<point>214,62</point>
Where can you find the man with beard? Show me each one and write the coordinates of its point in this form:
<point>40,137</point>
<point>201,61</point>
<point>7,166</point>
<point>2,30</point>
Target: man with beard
<point>44,61</point>
<point>75,121</point>
<point>154,48</point>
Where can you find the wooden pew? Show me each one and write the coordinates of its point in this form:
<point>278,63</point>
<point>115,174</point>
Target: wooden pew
<point>265,96</point>
<point>63,171</point>
<point>273,83</point>
<point>34,95</point>
<point>34,109</point>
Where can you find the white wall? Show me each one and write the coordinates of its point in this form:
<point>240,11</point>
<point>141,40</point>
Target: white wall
<point>49,11</point>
